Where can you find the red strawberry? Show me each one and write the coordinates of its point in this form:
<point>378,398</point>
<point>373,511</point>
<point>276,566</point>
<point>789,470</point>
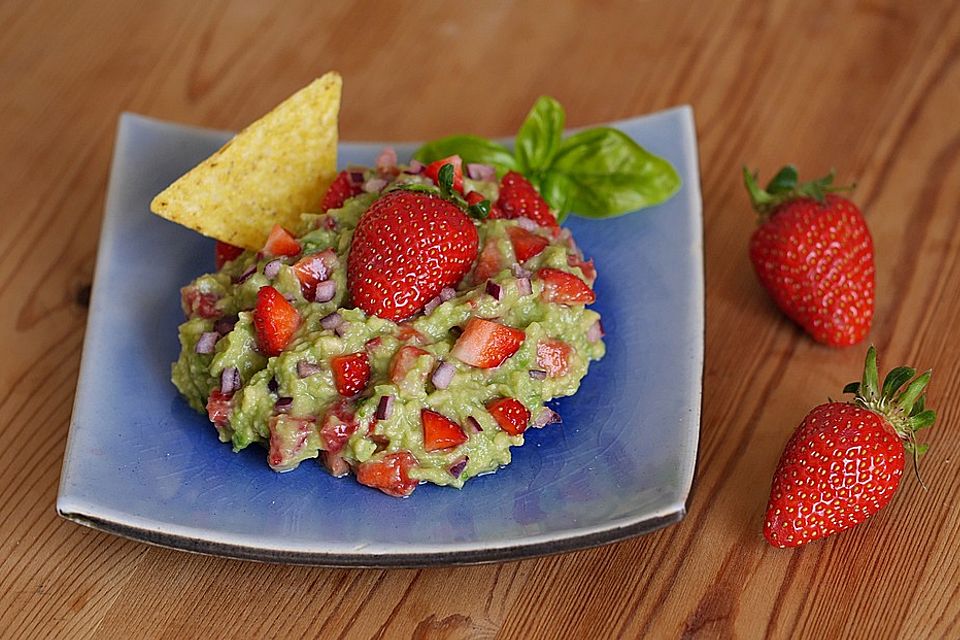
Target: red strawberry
<point>519,199</point>
<point>526,244</point>
<point>219,408</point>
<point>564,288</point>
<point>407,247</point>
<point>339,423</point>
<point>489,263</point>
<point>389,473</point>
<point>553,356</point>
<point>814,255</point>
<point>432,171</point>
<point>440,432</point>
<point>340,190</point>
<point>281,242</point>
<point>510,414</point>
<point>586,267</point>
<point>224,252</point>
<point>313,269</point>
<point>196,303</point>
<point>351,373</point>
<point>275,321</point>
<point>486,344</point>
<point>403,361</point>
<point>844,462</point>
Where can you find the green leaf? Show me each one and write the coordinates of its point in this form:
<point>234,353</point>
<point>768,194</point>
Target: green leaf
<point>923,420</point>
<point>480,211</point>
<point>896,379</point>
<point>852,387</point>
<point>539,135</point>
<point>445,179</point>
<point>906,399</point>
<point>471,149</point>
<point>555,189</point>
<point>870,385</point>
<point>607,174</point>
<point>784,182</point>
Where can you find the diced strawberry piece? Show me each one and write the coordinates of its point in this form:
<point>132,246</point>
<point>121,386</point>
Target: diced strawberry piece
<point>351,373</point>
<point>281,242</point>
<point>197,304</point>
<point>489,262</point>
<point>440,432</point>
<point>335,464</point>
<point>474,197</point>
<point>553,356</point>
<point>340,190</point>
<point>389,473</point>
<point>225,252</point>
<point>564,288</point>
<point>519,199</point>
<point>486,344</point>
<point>339,423</point>
<point>373,344</point>
<point>313,269</point>
<point>432,171</point>
<point>288,440</point>
<point>407,333</point>
<point>526,244</point>
<point>275,321</point>
<point>510,414</point>
<point>586,267</point>
<point>403,361</point>
<point>219,408</point>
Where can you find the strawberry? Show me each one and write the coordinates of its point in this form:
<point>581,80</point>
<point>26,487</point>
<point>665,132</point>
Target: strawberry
<point>403,361</point>
<point>586,267</point>
<point>407,247</point>
<point>486,344</point>
<point>340,190</point>
<point>224,252</point>
<point>526,244</point>
<point>564,288</point>
<point>219,408</point>
<point>313,269</point>
<point>432,171</point>
<point>553,356</point>
<point>339,423</point>
<point>351,373</point>
<point>510,414</point>
<point>814,255</point>
<point>489,263</point>
<point>440,432</point>
<point>389,473</point>
<point>519,199</point>
<point>844,462</point>
<point>275,321</point>
<point>281,242</point>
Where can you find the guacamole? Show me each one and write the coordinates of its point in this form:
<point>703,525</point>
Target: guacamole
<point>290,404</point>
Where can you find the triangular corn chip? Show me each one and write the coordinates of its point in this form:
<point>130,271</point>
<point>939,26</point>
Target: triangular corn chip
<point>277,168</point>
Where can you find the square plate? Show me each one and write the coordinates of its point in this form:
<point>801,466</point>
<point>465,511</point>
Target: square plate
<point>140,463</point>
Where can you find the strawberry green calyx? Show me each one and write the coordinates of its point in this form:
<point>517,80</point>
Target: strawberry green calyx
<point>445,189</point>
<point>900,400</point>
<point>784,187</point>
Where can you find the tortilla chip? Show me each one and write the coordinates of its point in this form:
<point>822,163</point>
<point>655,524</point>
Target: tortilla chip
<point>277,168</point>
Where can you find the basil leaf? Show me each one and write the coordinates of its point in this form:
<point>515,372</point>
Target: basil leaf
<point>609,174</point>
<point>470,148</point>
<point>556,189</point>
<point>539,135</point>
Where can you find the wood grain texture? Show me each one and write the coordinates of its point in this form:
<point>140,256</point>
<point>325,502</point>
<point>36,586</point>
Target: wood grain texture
<point>871,87</point>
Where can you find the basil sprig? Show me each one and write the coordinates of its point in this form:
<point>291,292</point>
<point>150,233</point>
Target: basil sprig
<point>596,173</point>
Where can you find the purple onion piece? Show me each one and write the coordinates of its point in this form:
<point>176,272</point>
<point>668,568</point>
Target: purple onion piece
<point>207,342</point>
<point>356,177</point>
<point>325,291</point>
<point>478,171</point>
<point>272,385</point>
<point>595,332</point>
<point>331,321</point>
<point>524,288</point>
<point>494,290</point>
<point>455,331</point>
<point>305,369</point>
<point>243,277</point>
<point>225,325</point>
<point>384,408</point>
<point>341,329</point>
<point>415,167</point>
<point>545,417</point>
<point>473,425</point>
<point>528,224</point>
<point>374,185</point>
<point>443,375</point>
<point>387,159</point>
<point>457,467</point>
<point>447,293</point>
<point>538,374</point>
<point>229,380</point>
<point>283,405</point>
<point>272,268</point>
<point>520,272</point>
<point>431,305</point>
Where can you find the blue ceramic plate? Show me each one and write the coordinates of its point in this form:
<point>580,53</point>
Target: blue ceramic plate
<point>140,463</point>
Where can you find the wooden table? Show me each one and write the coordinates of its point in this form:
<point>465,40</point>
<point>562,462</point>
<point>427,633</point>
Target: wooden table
<point>870,87</point>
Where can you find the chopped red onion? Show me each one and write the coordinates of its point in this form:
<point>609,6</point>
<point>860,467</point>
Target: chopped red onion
<point>305,369</point>
<point>272,385</point>
<point>384,408</point>
<point>443,375</point>
<point>538,374</point>
<point>528,224</point>
<point>545,417</point>
<point>341,329</point>
<point>387,159</point>
<point>229,380</point>
<point>524,288</point>
<point>494,290</point>
<point>356,178</point>
<point>207,342</point>
<point>325,291</point>
<point>431,305</point>
<point>283,404</point>
<point>595,332</point>
<point>455,331</point>
<point>478,171</point>
<point>447,293</point>
<point>331,321</point>
<point>473,424</point>
<point>457,467</point>
<point>520,272</point>
<point>415,167</point>
<point>374,185</point>
<point>225,325</point>
<point>272,268</point>
<point>243,277</point>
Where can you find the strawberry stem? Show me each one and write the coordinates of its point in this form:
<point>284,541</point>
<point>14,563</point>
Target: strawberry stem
<point>784,187</point>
